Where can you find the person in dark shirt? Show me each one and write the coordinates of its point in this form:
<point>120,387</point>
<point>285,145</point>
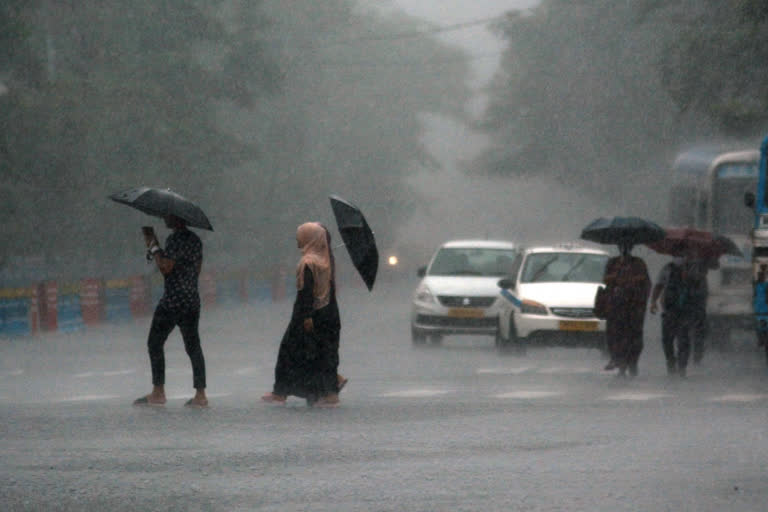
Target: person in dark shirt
<point>180,263</point>
<point>628,284</point>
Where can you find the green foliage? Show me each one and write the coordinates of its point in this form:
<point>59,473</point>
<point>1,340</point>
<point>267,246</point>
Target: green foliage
<point>601,94</point>
<point>713,65</point>
<point>257,110</point>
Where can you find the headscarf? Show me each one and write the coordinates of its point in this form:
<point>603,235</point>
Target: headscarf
<point>315,254</point>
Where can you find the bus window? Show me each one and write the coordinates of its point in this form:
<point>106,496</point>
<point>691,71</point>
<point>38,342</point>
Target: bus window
<point>732,180</point>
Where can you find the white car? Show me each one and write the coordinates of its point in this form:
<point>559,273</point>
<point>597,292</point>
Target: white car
<point>550,297</point>
<point>459,293</point>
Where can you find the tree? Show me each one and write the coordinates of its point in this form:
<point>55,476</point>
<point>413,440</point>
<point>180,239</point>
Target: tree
<point>600,95</point>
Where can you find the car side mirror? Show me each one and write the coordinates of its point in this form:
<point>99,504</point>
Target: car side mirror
<point>422,271</point>
<point>749,199</point>
<point>506,283</point>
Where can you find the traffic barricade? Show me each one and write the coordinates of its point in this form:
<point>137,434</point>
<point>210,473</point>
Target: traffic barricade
<point>141,295</point>
<point>14,312</point>
<point>92,301</point>
<point>117,307</point>
<point>69,314</point>
<point>48,305</point>
<point>34,310</point>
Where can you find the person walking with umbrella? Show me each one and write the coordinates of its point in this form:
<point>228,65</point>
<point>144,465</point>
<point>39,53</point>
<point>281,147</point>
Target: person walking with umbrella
<point>628,284</point>
<point>683,284</point>
<point>307,360</point>
<point>180,263</point>
<point>671,286</point>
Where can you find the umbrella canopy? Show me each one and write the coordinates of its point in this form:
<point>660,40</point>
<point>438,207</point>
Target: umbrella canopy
<point>358,239</point>
<point>618,230</point>
<point>694,242</point>
<point>162,202</point>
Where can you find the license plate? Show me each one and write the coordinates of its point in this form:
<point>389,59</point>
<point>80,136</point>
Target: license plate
<point>465,312</point>
<point>577,325</point>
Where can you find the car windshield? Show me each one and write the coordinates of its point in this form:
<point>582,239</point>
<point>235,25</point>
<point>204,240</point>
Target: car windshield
<point>461,261</point>
<point>564,266</point>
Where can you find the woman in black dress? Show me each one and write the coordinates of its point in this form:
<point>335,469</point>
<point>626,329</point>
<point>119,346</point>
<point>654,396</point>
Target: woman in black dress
<point>308,358</point>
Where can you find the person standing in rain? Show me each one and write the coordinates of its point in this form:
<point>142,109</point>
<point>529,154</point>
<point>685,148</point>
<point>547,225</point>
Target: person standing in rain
<point>307,360</point>
<point>180,263</point>
<point>628,285</point>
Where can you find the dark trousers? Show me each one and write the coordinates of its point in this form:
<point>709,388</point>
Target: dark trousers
<point>674,326</point>
<point>163,323</point>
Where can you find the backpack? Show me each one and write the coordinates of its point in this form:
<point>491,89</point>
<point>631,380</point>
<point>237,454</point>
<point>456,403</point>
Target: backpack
<point>675,291</point>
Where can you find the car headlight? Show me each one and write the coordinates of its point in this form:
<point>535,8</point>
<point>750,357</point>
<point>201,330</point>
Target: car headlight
<point>531,307</point>
<point>423,294</point>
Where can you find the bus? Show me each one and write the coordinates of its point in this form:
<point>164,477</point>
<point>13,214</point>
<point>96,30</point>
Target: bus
<point>707,193</point>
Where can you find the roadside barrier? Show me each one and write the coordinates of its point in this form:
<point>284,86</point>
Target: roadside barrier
<point>48,304</point>
<point>92,300</point>
<point>69,315</point>
<point>141,295</point>
<point>72,306</point>
<point>14,311</point>
<point>117,307</point>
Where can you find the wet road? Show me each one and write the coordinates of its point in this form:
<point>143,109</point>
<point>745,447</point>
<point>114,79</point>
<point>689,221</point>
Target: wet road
<point>455,427</point>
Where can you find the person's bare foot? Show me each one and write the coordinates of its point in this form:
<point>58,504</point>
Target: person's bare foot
<point>341,381</point>
<point>273,398</point>
<point>329,400</point>
<point>150,399</point>
<point>197,402</point>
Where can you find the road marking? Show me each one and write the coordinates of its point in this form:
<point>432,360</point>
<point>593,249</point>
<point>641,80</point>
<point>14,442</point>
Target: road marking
<point>637,396</point>
<point>246,371</point>
<point>525,394</point>
<point>551,370</point>
<point>12,373</point>
<point>108,373</point>
<point>503,371</point>
<point>86,398</point>
<point>415,393</point>
<point>189,395</point>
<point>739,397</point>
<point>565,369</point>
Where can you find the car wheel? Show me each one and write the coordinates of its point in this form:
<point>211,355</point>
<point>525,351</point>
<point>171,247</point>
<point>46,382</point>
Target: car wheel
<point>436,339</point>
<point>509,344</point>
<point>417,337</point>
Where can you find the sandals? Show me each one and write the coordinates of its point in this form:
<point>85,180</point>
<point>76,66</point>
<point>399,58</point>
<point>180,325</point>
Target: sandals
<point>144,400</point>
<point>341,381</point>
<point>192,402</point>
<point>328,402</point>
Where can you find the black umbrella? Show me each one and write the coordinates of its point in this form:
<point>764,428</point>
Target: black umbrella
<point>162,202</point>
<point>358,239</point>
<point>618,230</point>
